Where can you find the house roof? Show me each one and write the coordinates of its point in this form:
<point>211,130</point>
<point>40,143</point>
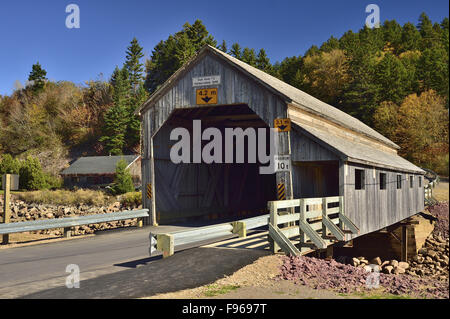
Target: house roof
<point>287,92</point>
<point>358,152</point>
<point>97,164</point>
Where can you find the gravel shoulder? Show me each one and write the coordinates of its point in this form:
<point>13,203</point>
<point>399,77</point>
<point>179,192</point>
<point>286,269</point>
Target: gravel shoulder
<point>258,280</point>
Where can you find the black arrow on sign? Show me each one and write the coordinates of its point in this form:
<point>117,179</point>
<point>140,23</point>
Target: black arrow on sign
<point>206,99</point>
<point>282,127</point>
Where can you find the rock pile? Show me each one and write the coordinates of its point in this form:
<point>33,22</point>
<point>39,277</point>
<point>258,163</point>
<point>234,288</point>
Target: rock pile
<point>22,211</point>
<point>376,264</point>
<point>432,259</point>
<point>345,278</point>
<point>440,211</point>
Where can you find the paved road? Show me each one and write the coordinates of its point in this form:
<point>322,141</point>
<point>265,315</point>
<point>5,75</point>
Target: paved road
<point>27,269</point>
<point>37,271</point>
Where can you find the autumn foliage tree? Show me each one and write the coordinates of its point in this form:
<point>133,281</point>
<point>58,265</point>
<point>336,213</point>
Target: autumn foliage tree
<point>420,127</point>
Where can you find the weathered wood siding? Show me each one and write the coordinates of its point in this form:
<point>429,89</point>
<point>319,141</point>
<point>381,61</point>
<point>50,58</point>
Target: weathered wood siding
<point>235,88</point>
<point>304,149</point>
<point>373,208</point>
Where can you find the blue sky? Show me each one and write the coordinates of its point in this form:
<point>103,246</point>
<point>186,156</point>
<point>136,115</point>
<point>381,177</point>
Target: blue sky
<point>33,31</point>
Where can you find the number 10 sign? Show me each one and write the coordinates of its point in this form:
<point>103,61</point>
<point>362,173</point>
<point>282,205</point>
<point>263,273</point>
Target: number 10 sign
<point>282,163</point>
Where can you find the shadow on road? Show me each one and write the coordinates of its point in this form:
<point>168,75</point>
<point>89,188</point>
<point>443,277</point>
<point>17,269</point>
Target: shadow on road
<point>186,269</point>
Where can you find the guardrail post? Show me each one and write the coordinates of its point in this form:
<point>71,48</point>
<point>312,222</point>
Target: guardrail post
<point>165,243</point>
<point>239,228</point>
<point>6,209</point>
<point>67,232</point>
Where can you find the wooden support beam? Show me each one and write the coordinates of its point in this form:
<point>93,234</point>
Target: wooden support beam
<point>285,244</point>
<point>313,235</point>
<point>404,243</point>
<point>348,223</point>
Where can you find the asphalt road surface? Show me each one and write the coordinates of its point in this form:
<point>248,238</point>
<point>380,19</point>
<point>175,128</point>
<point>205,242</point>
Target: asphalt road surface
<point>113,264</point>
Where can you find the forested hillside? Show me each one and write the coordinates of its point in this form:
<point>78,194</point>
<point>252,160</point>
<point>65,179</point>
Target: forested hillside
<point>393,78</point>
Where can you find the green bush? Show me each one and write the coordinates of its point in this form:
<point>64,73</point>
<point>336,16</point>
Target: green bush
<point>32,176</point>
<point>131,199</point>
<point>53,182</point>
<point>123,182</point>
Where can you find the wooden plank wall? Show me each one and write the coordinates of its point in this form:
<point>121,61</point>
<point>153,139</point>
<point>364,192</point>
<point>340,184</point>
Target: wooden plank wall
<point>371,208</point>
<point>304,149</point>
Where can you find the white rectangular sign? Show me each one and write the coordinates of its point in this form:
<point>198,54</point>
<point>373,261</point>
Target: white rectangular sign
<point>206,80</point>
<point>14,182</point>
<point>282,163</point>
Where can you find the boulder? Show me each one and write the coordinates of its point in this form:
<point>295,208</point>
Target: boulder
<point>376,261</point>
<point>403,265</point>
<point>393,263</point>
<point>388,269</point>
<point>397,270</point>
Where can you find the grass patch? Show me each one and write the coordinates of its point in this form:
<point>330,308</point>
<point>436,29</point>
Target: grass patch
<point>67,197</point>
<point>375,294</point>
<point>214,290</point>
<point>441,191</point>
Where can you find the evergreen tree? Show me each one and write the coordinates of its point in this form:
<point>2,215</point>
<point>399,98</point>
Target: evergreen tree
<point>410,39</point>
<point>427,32</point>
<point>123,182</point>
<point>37,77</point>
<point>169,55</point>
<point>249,56</point>
<point>263,62</point>
<point>392,78</point>
<point>117,117</point>
<point>133,64</point>
<point>236,50</point>
<point>223,47</point>
<point>331,44</point>
<point>313,50</point>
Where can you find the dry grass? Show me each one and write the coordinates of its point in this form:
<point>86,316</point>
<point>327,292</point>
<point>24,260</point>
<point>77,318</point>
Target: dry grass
<point>66,197</point>
<point>131,199</point>
<point>440,192</point>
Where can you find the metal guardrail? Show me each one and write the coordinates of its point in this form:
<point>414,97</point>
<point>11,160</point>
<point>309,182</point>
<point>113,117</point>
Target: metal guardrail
<point>69,222</point>
<point>169,241</point>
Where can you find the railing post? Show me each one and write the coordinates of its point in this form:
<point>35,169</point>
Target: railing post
<point>273,220</point>
<point>6,208</point>
<point>302,219</point>
<point>324,215</point>
<point>165,243</point>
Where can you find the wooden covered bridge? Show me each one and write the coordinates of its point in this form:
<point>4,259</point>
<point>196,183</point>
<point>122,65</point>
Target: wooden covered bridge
<point>341,172</point>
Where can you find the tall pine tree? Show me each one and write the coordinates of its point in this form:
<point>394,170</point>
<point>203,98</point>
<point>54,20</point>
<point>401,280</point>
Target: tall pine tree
<point>37,77</point>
